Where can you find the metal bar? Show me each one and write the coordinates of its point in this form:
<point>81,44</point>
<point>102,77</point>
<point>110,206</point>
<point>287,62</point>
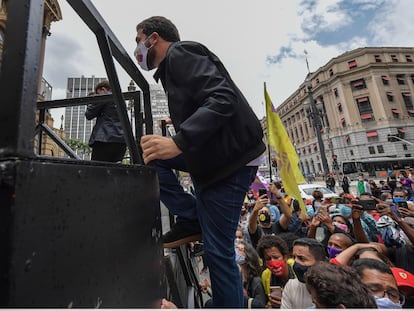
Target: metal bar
<point>79,101</point>
<point>139,122</point>
<point>59,141</point>
<point>42,115</point>
<point>117,96</point>
<point>19,76</point>
<point>88,13</point>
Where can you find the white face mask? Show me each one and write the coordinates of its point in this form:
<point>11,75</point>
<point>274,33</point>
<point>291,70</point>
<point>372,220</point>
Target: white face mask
<point>141,54</point>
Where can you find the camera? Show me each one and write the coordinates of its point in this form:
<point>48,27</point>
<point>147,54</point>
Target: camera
<point>367,205</point>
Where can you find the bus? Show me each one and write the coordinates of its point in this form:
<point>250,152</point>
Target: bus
<point>379,168</point>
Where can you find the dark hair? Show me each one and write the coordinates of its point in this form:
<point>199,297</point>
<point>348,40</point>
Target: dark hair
<point>317,249</point>
<point>349,240</point>
<point>368,263</point>
<point>317,194</point>
<point>381,256</point>
<point>104,83</point>
<point>161,25</point>
<point>268,241</point>
<point>289,238</point>
<point>338,285</point>
<point>252,260</point>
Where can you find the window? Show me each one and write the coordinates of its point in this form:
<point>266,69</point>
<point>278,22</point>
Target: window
<point>380,149</point>
<point>351,152</point>
<point>412,79</point>
<point>407,101</point>
<point>371,150</point>
<point>377,58</point>
<point>385,80</point>
<point>395,113</point>
<point>343,122</point>
<point>401,132</point>
<point>331,72</point>
<point>372,134</point>
<point>401,79</point>
<point>405,147</point>
<point>339,105</point>
<point>394,58</point>
<point>336,92</point>
<point>317,80</point>
<point>390,96</point>
<point>408,58</point>
<point>352,64</point>
<point>365,109</point>
<point>347,139</point>
<point>358,85</point>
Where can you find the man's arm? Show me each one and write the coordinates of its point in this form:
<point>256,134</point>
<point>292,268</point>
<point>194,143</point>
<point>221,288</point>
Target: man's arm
<point>260,203</point>
<point>94,110</point>
<point>385,209</point>
<point>286,212</point>
<point>359,232</point>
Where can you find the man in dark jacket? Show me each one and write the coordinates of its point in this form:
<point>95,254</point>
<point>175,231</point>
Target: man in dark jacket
<point>218,140</point>
<point>107,137</point>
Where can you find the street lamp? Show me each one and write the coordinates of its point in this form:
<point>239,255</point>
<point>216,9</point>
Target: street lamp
<point>314,113</point>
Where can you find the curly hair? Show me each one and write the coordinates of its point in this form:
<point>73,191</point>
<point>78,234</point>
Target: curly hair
<point>338,285</point>
<point>268,241</point>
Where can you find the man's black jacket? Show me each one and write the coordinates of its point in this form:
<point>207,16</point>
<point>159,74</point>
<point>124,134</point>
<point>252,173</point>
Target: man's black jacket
<point>216,128</point>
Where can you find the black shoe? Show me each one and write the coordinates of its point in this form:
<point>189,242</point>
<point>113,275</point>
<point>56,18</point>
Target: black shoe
<point>178,235</point>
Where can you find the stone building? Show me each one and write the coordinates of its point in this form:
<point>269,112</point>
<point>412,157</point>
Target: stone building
<point>363,96</point>
<point>52,13</point>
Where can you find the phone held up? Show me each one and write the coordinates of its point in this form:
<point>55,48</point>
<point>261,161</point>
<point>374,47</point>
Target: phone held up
<point>262,191</point>
<point>368,205</point>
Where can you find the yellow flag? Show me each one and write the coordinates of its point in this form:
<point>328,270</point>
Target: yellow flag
<point>286,156</point>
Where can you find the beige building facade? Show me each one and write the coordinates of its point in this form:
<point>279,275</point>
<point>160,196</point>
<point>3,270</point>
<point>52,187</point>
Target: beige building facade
<point>52,13</point>
<point>364,96</point>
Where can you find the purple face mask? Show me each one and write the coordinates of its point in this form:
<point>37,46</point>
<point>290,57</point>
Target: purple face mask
<point>333,252</point>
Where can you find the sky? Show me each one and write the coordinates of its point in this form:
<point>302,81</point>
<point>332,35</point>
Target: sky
<point>258,42</point>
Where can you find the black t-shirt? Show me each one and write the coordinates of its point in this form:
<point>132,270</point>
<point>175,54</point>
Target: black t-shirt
<point>402,257</point>
<point>275,228</point>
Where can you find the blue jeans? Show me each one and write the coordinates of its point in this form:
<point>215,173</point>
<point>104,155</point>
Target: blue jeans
<point>217,210</point>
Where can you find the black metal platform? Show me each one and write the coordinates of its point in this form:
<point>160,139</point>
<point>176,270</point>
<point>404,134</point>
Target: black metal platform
<point>79,235</point>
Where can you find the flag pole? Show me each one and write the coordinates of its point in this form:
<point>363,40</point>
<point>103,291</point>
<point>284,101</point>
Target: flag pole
<point>267,139</point>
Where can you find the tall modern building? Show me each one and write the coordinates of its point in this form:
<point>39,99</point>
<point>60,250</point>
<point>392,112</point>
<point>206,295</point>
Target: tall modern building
<point>159,106</point>
<point>76,125</point>
<point>364,96</point>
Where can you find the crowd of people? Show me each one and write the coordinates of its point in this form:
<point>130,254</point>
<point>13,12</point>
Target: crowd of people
<point>346,252</point>
<point>351,252</point>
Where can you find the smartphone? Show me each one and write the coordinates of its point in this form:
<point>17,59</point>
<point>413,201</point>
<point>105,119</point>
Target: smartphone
<point>276,291</point>
<point>402,204</point>
<point>367,205</point>
<point>262,191</point>
<point>338,200</point>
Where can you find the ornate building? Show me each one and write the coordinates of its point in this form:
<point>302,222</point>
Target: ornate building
<point>363,96</point>
<point>52,13</point>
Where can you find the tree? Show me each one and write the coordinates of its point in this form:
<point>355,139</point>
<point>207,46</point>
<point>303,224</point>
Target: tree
<point>78,145</point>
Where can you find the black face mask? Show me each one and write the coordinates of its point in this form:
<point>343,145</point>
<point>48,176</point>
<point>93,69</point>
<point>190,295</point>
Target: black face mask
<point>300,271</point>
<point>264,218</point>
